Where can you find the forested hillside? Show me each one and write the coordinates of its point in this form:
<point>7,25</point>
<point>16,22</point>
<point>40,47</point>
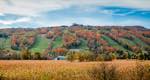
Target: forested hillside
<point>122,42</point>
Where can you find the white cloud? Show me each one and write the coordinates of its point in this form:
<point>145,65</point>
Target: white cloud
<point>138,4</point>
<point>1,14</point>
<point>9,22</point>
<point>33,7</point>
<point>24,19</point>
<point>116,12</point>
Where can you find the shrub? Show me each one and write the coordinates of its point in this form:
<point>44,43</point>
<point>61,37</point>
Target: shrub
<point>144,55</point>
<point>37,56</point>
<point>70,56</point>
<point>99,57</point>
<point>113,56</point>
<point>141,56</point>
<point>107,57</point>
<point>86,56</point>
<point>125,55</point>
<point>7,55</point>
<point>25,54</point>
<point>80,56</point>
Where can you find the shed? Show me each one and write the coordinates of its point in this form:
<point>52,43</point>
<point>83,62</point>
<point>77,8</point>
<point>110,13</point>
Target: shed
<point>60,58</point>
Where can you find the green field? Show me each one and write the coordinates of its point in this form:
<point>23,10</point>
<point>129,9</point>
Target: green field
<point>41,44</point>
<point>113,43</point>
<point>57,42</point>
<point>138,41</point>
<point>5,43</point>
<point>83,44</point>
<point>127,41</point>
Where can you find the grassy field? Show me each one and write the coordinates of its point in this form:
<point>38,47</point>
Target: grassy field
<point>57,43</point>
<point>40,45</point>
<point>64,70</point>
<point>138,41</point>
<point>113,43</point>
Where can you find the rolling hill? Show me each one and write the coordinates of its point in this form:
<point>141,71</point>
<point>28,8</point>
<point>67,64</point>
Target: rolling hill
<point>97,39</point>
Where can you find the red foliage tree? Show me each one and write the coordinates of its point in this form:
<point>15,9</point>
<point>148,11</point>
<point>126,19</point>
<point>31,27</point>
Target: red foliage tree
<point>43,30</point>
<point>60,51</point>
<point>57,31</point>
<point>69,40</point>
<point>31,40</point>
<point>14,40</point>
<point>109,49</point>
<point>49,34</point>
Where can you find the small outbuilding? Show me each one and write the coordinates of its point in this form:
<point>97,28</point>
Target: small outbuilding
<point>60,58</point>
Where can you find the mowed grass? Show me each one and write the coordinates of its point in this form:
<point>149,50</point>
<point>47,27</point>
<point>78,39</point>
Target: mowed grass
<point>83,44</point>
<point>6,43</point>
<point>41,44</point>
<point>138,41</point>
<point>57,43</point>
<point>64,70</point>
<point>113,43</point>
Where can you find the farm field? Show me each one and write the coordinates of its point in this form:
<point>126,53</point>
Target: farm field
<point>65,70</point>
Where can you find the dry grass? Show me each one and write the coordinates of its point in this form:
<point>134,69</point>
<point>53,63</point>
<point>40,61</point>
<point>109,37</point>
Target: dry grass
<point>64,70</point>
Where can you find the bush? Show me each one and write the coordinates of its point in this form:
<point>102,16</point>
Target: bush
<point>100,57</point>
<point>108,57</point>
<point>113,56</point>
<point>86,56</point>
<point>7,55</point>
<point>144,55</point>
<point>141,56</point>
<point>80,56</point>
<point>70,56</point>
<point>25,54</point>
<point>125,55</point>
<point>37,56</point>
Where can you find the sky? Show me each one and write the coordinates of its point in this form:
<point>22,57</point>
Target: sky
<point>43,13</point>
